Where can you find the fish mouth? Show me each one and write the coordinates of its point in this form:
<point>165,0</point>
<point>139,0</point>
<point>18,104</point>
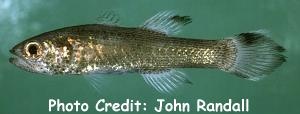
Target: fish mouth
<point>11,51</point>
<point>18,61</point>
<point>12,59</point>
<point>15,56</point>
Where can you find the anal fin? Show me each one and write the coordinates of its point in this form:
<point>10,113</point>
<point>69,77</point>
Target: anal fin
<point>96,81</point>
<point>165,80</point>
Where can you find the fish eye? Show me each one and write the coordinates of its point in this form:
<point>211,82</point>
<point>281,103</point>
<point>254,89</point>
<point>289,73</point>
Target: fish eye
<point>32,49</point>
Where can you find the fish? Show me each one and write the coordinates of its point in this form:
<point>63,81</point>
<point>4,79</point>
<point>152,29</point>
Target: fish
<point>150,50</point>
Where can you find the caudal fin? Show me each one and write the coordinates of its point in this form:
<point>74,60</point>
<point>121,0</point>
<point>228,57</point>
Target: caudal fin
<point>256,55</point>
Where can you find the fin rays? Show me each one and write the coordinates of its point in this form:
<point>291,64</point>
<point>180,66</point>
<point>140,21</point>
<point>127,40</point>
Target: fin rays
<point>166,22</point>
<point>108,18</point>
<point>165,81</point>
<point>257,55</point>
<point>96,81</point>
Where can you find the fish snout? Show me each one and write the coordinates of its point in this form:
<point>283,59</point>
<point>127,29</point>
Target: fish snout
<point>12,51</point>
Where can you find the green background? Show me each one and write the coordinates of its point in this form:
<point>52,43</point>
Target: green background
<point>28,93</point>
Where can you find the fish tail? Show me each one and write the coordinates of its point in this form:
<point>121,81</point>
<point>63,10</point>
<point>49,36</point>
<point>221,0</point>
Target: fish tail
<point>256,55</point>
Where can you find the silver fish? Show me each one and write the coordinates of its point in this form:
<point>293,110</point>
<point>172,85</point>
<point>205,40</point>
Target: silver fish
<point>148,50</point>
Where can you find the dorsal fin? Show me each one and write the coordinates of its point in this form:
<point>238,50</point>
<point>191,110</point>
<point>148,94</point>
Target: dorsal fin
<point>109,17</point>
<point>166,22</point>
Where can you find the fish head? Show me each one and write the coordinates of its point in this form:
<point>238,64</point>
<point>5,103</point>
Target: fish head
<point>29,55</point>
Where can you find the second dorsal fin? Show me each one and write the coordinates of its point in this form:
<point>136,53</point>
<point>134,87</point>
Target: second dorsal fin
<point>166,22</point>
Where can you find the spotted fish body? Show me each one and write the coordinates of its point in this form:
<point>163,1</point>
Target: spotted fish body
<point>99,48</point>
<point>148,50</point>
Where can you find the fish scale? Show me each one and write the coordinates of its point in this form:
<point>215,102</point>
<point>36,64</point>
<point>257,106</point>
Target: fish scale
<point>120,50</point>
